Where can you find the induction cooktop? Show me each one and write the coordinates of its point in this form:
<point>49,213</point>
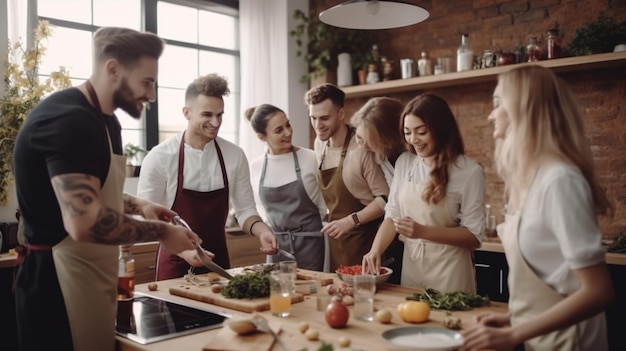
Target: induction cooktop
<point>147,319</point>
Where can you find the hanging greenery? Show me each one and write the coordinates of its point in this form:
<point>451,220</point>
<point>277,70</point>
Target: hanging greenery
<point>23,90</point>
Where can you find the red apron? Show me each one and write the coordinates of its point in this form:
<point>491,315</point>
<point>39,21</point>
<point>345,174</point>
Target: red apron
<point>206,214</point>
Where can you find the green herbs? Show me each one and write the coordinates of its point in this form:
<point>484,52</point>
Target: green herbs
<point>250,286</point>
<point>454,301</point>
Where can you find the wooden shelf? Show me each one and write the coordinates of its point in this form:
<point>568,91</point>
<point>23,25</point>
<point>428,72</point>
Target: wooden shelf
<point>569,64</point>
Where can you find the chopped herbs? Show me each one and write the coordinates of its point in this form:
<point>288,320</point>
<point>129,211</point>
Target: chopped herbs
<point>249,285</point>
<point>453,301</point>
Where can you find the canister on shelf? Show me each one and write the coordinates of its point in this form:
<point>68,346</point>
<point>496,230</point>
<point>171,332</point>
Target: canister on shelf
<point>554,42</point>
<point>424,65</point>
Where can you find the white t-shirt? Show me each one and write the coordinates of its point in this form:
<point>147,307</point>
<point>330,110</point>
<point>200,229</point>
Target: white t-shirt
<point>465,193</point>
<point>281,170</point>
<point>558,233</point>
<point>159,174</point>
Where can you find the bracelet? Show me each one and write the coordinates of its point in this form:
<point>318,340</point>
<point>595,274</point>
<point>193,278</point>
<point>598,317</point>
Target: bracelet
<point>255,222</point>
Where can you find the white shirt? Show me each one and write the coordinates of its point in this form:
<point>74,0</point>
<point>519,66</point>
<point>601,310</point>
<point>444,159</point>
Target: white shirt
<point>281,170</point>
<point>465,192</point>
<point>159,174</point>
<point>559,233</point>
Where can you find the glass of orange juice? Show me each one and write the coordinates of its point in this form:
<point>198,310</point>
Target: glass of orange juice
<point>280,293</point>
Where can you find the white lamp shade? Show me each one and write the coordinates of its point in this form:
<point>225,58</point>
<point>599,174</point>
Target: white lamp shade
<point>373,14</point>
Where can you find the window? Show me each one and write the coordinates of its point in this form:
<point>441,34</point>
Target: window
<point>206,41</point>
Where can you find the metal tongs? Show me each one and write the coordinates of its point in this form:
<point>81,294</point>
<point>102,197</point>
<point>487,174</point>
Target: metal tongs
<point>208,263</point>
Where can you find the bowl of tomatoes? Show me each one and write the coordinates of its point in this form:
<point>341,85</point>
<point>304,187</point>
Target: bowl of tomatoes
<point>347,273</point>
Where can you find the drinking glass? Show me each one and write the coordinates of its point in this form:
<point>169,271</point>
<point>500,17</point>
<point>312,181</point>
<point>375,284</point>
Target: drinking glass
<point>280,293</point>
<point>364,288</point>
<point>290,267</point>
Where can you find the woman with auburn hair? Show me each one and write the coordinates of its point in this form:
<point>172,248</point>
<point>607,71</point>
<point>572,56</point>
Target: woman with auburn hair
<point>435,204</point>
<point>377,129</point>
<point>558,278</point>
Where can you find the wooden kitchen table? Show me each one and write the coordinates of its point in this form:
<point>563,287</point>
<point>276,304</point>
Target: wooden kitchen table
<point>364,335</point>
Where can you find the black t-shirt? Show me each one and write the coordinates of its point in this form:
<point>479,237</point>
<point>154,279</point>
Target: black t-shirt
<point>63,134</point>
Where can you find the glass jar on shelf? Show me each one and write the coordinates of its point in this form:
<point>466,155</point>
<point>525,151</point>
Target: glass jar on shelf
<point>554,42</point>
<point>533,50</point>
<point>464,55</point>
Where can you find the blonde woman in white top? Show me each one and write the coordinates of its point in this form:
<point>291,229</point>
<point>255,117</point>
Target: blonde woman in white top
<point>558,278</point>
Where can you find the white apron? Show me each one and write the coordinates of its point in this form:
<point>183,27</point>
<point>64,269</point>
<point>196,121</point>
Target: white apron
<point>426,264</point>
<point>529,295</point>
<point>87,274</point>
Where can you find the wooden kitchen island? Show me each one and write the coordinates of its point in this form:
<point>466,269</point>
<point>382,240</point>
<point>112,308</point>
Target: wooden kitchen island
<point>364,335</point>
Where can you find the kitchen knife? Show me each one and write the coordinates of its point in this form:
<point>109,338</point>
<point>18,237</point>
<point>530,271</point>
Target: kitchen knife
<point>208,263</point>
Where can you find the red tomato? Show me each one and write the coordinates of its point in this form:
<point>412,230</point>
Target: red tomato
<point>337,314</point>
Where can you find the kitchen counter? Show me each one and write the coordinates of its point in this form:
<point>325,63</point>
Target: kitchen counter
<point>364,335</point>
<point>494,245</point>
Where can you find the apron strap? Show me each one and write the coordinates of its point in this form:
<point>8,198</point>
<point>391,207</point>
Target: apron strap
<point>22,253</point>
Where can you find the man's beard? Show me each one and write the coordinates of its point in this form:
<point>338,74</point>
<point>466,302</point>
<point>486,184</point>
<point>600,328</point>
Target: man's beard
<point>121,100</point>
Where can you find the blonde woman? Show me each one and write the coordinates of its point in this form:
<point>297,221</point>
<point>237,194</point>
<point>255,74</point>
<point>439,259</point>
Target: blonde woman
<point>558,278</point>
<point>377,126</point>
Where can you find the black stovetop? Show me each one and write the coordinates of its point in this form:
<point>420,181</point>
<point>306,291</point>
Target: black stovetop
<point>146,319</point>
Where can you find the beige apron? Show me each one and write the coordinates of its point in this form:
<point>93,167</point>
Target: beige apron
<point>87,274</point>
<point>529,295</point>
<point>443,267</point>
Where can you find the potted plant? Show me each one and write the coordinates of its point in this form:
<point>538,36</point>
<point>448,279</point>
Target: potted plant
<point>132,153</point>
<point>597,37</point>
<point>325,43</point>
<point>23,89</point>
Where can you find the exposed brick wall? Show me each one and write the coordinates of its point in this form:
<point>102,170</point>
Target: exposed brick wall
<point>601,93</point>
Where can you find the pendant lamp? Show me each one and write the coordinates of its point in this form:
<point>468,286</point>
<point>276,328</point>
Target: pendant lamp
<point>373,14</point>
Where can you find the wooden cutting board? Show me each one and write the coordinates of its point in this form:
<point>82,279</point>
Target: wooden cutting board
<point>204,294</point>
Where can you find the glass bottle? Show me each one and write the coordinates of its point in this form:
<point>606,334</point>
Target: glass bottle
<point>125,274</point>
<point>464,55</point>
<point>554,42</point>
<point>533,51</point>
<point>424,65</point>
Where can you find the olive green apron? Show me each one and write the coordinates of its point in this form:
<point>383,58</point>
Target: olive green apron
<point>446,268</point>
<point>87,274</point>
<point>352,246</point>
<point>529,295</point>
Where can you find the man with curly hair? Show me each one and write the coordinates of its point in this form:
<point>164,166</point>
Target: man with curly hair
<point>196,173</point>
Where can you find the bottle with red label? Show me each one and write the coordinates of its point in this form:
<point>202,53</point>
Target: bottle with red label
<point>126,274</point>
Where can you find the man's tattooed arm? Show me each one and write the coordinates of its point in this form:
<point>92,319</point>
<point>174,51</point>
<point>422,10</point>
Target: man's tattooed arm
<point>85,218</point>
<point>112,227</point>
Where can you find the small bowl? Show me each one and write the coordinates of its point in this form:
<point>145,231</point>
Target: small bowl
<point>380,278</point>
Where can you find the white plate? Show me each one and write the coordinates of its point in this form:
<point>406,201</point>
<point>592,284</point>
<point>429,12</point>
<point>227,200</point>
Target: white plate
<point>423,339</point>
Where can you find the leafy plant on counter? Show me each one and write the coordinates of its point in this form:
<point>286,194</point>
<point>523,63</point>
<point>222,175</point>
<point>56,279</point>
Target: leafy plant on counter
<point>619,245</point>
<point>452,301</point>
<point>597,37</point>
<point>248,286</point>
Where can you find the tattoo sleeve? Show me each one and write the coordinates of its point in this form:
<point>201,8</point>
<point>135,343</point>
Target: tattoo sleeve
<point>113,227</point>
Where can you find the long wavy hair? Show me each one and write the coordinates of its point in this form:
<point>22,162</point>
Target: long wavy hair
<point>545,123</point>
<point>438,118</point>
<point>381,118</point>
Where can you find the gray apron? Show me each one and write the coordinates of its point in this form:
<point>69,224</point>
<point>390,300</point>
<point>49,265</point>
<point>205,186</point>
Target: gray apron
<point>447,268</point>
<point>295,220</point>
<point>87,274</point>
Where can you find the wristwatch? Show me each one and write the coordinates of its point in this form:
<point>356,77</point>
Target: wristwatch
<point>356,220</point>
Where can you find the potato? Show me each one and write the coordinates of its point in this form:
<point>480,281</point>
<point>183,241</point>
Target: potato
<point>152,286</point>
<point>383,316</point>
<point>344,342</point>
<point>348,300</point>
<point>304,326</point>
<point>312,334</point>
